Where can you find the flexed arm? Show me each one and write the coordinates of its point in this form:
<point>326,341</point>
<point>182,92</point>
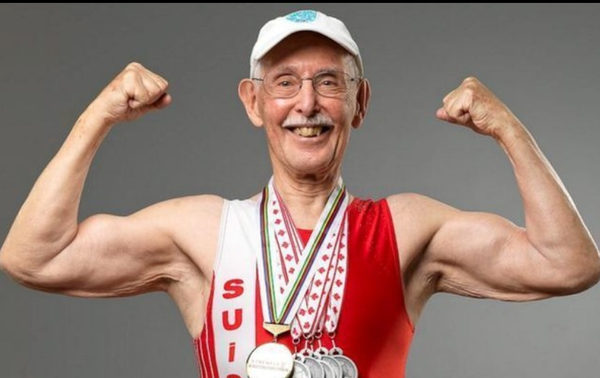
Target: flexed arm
<point>39,250</point>
<point>484,255</point>
<point>553,255</point>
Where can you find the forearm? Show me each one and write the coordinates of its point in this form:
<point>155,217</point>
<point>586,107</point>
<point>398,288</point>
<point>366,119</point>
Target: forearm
<point>553,224</point>
<point>47,220</point>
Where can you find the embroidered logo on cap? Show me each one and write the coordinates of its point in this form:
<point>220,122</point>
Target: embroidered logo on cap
<point>302,16</point>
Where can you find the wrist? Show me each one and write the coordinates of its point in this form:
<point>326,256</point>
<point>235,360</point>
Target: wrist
<point>511,133</point>
<point>92,118</point>
<point>93,126</point>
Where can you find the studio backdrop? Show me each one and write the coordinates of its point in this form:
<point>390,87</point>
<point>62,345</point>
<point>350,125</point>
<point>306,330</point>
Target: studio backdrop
<point>542,61</point>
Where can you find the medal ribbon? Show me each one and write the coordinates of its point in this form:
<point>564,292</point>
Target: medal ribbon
<point>287,269</point>
<point>321,308</point>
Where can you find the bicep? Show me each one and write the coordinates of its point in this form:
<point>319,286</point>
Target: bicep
<point>116,256</point>
<point>486,256</point>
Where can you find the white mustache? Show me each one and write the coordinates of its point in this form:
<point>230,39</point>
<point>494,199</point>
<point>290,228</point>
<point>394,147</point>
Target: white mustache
<point>302,121</point>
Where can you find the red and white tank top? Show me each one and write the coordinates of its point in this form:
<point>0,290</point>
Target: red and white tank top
<point>374,328</point>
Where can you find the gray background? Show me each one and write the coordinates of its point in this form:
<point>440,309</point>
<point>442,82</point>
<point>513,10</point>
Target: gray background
<point>541,60</point>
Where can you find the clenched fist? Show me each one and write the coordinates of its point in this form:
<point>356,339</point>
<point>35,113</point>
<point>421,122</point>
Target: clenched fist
<point>475,106</point>
<point>133,93</point>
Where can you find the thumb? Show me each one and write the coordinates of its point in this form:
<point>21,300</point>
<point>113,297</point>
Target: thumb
<point>163,101</point>
<point>442,115</point>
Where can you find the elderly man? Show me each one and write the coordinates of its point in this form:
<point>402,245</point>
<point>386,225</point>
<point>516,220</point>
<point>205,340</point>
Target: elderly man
<point>303,279</point>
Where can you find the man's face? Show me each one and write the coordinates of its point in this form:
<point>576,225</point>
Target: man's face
<point>295,143</point>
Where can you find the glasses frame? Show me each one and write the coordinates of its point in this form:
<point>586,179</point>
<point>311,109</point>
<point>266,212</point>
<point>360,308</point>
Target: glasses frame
<point>351,79</point>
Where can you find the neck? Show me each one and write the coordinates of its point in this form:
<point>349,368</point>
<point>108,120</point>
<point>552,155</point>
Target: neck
<point>305,196</point>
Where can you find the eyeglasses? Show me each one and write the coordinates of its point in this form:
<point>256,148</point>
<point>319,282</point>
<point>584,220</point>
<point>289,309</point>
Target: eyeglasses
<point>329,83</point>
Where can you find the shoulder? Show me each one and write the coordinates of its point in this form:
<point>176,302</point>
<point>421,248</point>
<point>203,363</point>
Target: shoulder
<point>183,217</point>
<point>202,202</point>
<point>189,214</point>
<point>405,206</point>
<point>174,211</point>
<point>419,215</point>
<point>418,205</point>
<point>192,222</point>
<point>417,219</point>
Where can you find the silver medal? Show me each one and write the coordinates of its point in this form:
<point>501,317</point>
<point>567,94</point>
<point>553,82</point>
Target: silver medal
<point>335,365</point>
<point>322,354</point>
<point>327,369</point>
<point>349,369</point>
<point>315,368</point>
<point>270,360</point>
<point>301,370</point>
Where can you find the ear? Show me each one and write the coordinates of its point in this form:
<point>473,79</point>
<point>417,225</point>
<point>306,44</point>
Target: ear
<point>247,92</point>
<point>362,103</point>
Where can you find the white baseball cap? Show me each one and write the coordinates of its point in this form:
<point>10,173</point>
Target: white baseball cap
<point>277,29</point>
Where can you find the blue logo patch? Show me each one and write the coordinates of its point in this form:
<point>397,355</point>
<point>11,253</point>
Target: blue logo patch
<point>302,16</point>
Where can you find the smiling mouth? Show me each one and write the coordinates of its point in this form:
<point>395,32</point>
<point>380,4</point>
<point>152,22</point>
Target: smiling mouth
<point>309,131</point>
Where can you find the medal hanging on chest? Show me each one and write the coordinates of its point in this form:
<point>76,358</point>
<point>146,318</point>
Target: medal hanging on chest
<point>312,325</point>
<point>296,278</point>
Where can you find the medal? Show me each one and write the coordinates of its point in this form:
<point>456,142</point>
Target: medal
<point>292,275</point>
<point>323,356</point>
<point>301,370</point>
<point>349,369</point>
<point>327,369</point>
<point>315,368</point>
<point>270,360</point>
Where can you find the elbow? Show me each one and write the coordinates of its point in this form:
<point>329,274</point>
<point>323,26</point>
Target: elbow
<point>580,275</point>
<point>590,270</point>
<point>594,270</point>
<point>20,270</point>
<point>7,262</point>
<point>3,262</point>
<point>13,269</point>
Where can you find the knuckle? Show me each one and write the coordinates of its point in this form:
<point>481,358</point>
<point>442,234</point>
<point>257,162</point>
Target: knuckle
<point>469,93</point>
<point>161,83</point>
<point>448,97</point>
<point>135,66</point>
<point>471,84</point>
<point>130,77</point>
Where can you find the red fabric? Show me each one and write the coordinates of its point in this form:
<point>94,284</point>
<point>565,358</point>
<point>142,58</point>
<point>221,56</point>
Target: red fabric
<point>374,328</point>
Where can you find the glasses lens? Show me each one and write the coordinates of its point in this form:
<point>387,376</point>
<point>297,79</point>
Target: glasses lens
<point>326,83</point>
<point>331,83</point>
<point>283,85</point>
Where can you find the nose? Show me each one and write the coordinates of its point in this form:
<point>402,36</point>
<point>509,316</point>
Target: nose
<point>307,100</point>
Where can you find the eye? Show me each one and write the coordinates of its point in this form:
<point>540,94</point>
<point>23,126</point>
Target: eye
<point>327,80</point>
<point>285,81</point>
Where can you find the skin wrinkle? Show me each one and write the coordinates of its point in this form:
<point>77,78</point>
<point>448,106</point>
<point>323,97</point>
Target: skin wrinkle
<point>333,166</point>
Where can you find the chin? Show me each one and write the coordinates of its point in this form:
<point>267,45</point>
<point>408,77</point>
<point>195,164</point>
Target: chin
<point>313,166</point>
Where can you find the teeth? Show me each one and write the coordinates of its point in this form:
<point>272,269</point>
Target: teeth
<point>308,131</point>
